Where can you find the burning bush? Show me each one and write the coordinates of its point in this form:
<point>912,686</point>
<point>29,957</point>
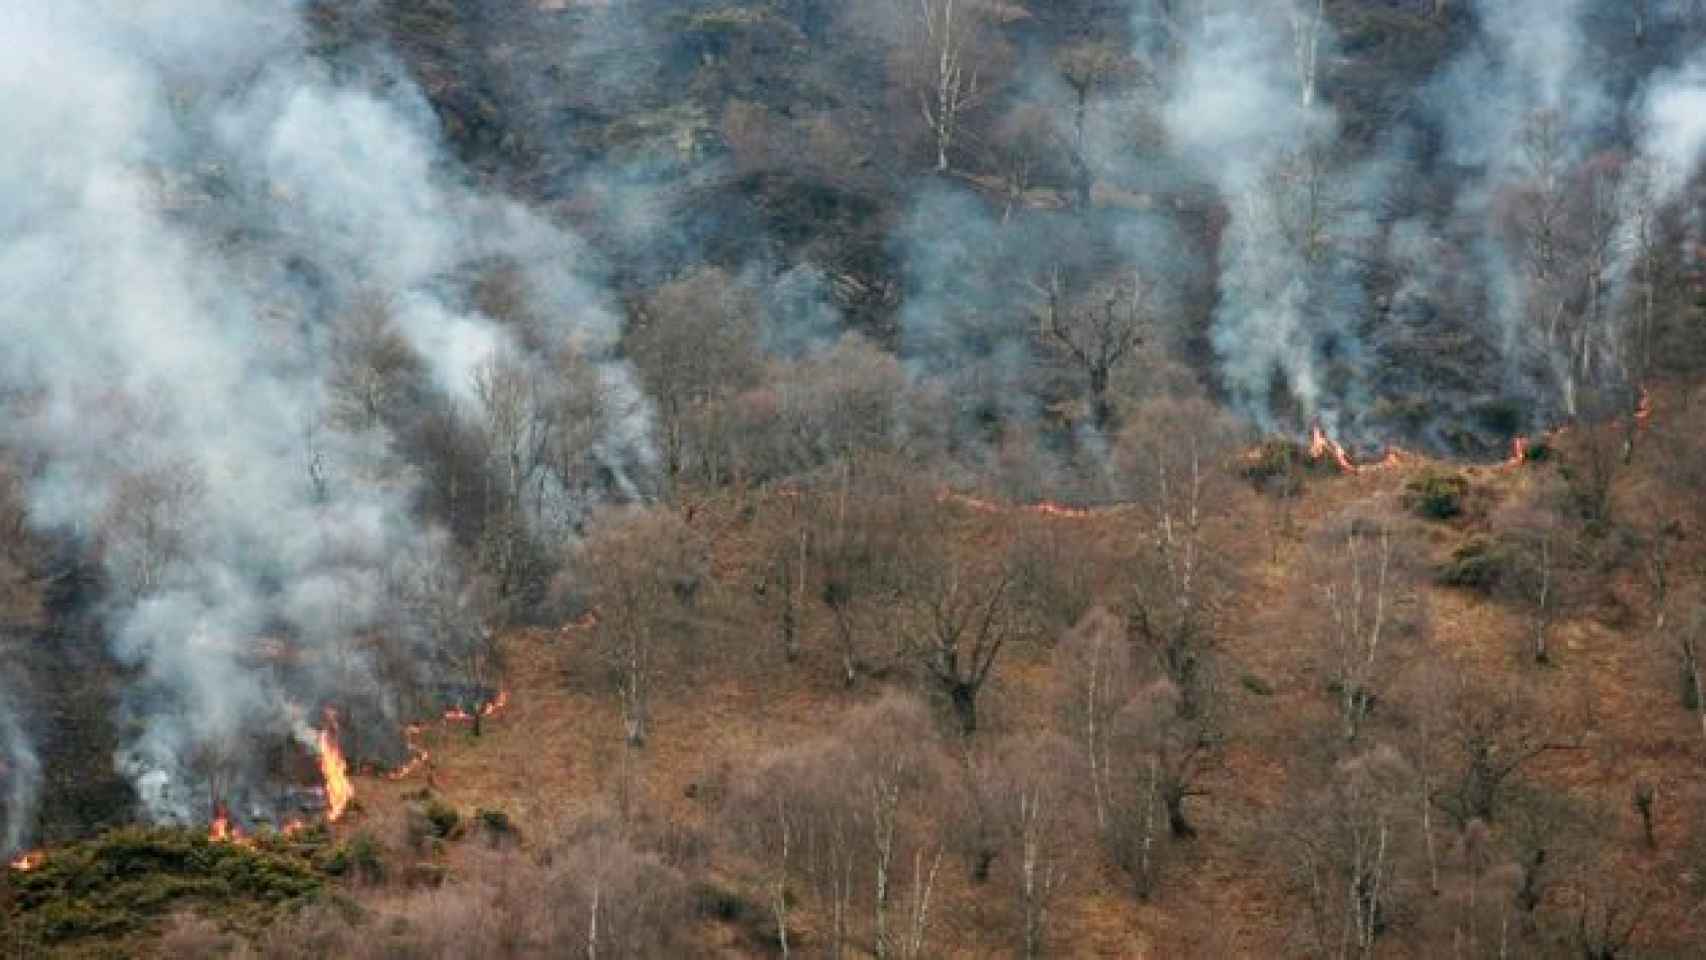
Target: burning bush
<point>1435,496</point>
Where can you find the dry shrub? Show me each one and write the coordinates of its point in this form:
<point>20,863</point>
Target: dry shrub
<point>190,937</point>
<point>594,890</point>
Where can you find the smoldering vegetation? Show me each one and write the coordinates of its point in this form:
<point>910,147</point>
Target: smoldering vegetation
<point>334,327</point>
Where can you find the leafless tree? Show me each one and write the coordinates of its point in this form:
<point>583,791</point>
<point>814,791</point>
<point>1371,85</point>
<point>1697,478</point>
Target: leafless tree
<point>962,620</point>
<point>1088,68</point>
<point>1096,665</point>
<point>1030,781</point>
<point>1535,538</point>
<point>1166,753</point>
<point>893,768</point>
<point>948,59</point>
<point>148,526</point>
<point>643,570</point>
<point>1100,332</point>
<point>694,342</point>
<point>1346,845</point>
<point>443,607</point>
<point>1308,22</point>
<point>514,416</point>
<point>1367,618</point>
<point>1489,733</point>
<point>1180,582</point>
<point>374,369</point>
<point>868,519</point>
<point>1690,638</point>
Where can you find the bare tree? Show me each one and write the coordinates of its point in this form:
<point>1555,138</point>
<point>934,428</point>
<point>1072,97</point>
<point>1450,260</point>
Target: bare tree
<point>1087,68</point>
<point>893,769</point>
<point>1180,582</point>
<point>1099,333</point>
<point>867,520</point>
<point>643,571</point>
<point>147,529</point>
<point>1489,734</point>
<point>444,609</point>
<point>1308,21</point>
<point>374,369</point>
<point>514,416</point>
<point>1690,637</point>
<point>1365,626</point>
<point>694,342</point>
<point>963,619</point>
<point>1346,844</point>
<point>947,58</point>
<point>1534,536</point>
<point>1097,668</point>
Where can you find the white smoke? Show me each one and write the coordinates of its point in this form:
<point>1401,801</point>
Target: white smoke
<point>186,197</point>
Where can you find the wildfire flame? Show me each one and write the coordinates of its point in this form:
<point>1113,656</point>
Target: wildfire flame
<point>334,769</point>
<point>419,755</point>
<point>1519,452</point>
<point>1045,508</point>
<point>1320,445</point>
<point>457,714</point>
<point>1643,408</point>
<point>222,830</point>
<point>29,861</point>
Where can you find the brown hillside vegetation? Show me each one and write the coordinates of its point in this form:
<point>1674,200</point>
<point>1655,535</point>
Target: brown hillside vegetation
<point>1489,802</point>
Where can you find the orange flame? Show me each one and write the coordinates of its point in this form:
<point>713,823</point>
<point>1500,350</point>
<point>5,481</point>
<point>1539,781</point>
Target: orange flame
<point>29,861</point>
<point>1519,452</point>
<point>411,735</point>
<point>458,715</point>
<point>292,827</point>
<point>1320,445</point>
<point>1643,408</point>
<point>222,830</point>
<point>1045,508</point>
<point>334,769</point>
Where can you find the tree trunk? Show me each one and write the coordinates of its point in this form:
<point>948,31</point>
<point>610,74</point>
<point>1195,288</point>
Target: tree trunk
<point>964,697</point>
<point>1177,825</point>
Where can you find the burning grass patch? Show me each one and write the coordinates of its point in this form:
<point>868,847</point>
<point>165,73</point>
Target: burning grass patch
<point>126,880</point>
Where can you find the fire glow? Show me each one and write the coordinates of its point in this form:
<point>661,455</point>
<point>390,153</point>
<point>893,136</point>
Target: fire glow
<point>1322,446</point>
<point>1045,508</point>
<point>29,861</point>
<point>458,715</point>
<point>334,769</point>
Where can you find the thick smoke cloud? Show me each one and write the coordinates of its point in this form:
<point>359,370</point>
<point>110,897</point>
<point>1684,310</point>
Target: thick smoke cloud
<point>189,201</point>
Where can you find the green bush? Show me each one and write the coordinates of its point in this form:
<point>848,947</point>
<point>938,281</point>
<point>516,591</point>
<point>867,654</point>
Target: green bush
<point>496,824</point>
<point>1436,496</point>
<point>126,879</point>
<point>443,818</point>
<point>360,857</point>
<point>1273,459</point>
<point>1477,565</point>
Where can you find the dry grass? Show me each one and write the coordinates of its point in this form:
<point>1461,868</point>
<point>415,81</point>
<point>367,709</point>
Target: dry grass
<point>555,755</point>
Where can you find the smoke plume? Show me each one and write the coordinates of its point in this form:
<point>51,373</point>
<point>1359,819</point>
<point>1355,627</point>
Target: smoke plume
<point>191,203</point>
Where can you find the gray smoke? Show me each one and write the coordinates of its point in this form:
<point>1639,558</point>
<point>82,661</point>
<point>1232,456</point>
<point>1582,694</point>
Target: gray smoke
<point>20,776</point>
<point>189,199</point>
<point>1290,290</point>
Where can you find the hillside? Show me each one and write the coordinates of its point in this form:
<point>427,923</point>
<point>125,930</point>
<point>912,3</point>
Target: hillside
<point>896,478</point>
